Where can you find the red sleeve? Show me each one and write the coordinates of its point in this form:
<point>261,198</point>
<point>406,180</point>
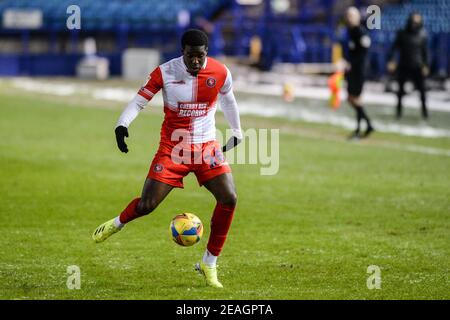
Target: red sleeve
<point>153,84</point>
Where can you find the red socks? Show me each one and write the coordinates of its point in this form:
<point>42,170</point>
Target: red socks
<point>220,224</point>
<point>130,213</point>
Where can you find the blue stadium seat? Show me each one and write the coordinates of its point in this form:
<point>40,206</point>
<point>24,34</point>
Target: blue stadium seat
<point>104,14</point>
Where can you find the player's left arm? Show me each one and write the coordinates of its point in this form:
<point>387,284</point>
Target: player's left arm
<point>364,40</point>
<point>231,112</point>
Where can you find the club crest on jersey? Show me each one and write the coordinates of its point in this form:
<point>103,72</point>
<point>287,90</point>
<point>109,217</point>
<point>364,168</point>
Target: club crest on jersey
<point>211,82</point>
<point>158,167</point>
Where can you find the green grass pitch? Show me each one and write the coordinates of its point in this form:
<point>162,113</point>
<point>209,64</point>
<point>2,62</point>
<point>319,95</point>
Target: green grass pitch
<point>309,232</point>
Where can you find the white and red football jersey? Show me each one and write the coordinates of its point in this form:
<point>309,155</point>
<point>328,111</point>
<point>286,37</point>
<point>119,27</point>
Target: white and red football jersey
<point>190,102</point>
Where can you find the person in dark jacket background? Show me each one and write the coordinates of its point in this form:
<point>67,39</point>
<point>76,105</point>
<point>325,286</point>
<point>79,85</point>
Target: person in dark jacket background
<point>411,44</point>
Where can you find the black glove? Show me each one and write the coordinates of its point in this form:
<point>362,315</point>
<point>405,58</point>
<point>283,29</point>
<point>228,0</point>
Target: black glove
<point>232,142</point>
<point>121,133</point>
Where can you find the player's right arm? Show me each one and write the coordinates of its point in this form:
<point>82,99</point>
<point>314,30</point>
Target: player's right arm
<point>425,54</point>
<point>139,102</point>
<point>391,65</point>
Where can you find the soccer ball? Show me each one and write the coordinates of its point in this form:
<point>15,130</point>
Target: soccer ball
<point>186,229</point>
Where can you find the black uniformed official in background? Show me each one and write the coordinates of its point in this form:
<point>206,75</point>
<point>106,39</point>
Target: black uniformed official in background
<point>356,47</point>
<point>411,43</point>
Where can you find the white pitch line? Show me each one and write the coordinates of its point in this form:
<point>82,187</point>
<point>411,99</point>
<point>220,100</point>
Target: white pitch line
<point>417,149</point>
<point>123,94</point>
<point>382,144</point>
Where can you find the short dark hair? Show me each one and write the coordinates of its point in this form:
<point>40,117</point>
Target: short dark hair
<point>194,37</point>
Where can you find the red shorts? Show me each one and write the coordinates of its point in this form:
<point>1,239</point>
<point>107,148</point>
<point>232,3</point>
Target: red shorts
<point>171,163</point>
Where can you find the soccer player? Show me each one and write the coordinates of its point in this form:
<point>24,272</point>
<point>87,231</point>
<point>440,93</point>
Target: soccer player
<point>411,43</point>
<point>357,46</point>
<point>191,85</point>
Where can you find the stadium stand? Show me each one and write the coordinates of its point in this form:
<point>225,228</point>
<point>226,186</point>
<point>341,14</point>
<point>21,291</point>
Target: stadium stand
<point>304,33</point>
<point>437,24</point>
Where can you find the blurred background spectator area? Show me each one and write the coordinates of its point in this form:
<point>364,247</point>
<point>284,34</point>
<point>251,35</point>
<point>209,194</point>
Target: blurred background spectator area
<point>262,32</point>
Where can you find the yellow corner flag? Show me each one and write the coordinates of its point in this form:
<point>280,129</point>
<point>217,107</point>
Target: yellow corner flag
<point>335,84</point>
